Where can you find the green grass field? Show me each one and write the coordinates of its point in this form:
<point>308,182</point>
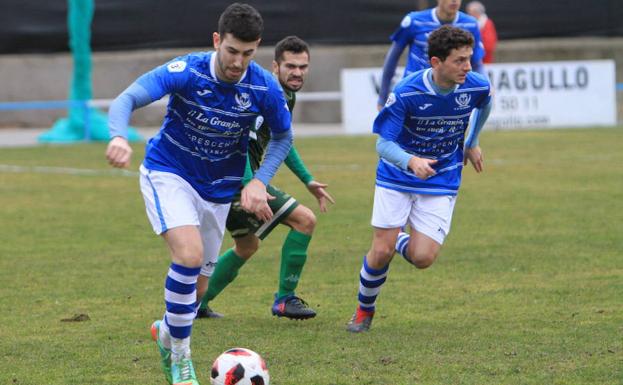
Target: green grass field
<point>528,288</point>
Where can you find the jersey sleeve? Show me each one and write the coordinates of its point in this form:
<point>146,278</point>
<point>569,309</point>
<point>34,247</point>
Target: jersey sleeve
<point>167,78</point>
<point>479,50</point>
<point>389,121</point>
<point>403,35</point>
<point>275,109</point>
<point>296,165</point>
<point>486,97</point>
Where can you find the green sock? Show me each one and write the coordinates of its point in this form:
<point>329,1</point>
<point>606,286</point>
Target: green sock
<point>225,272</point>
<point>293,256</point>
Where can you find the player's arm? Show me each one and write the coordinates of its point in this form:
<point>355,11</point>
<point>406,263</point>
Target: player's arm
<point>317,189</point>
<point>388,125</point>
<point>478,66</point>
<point>119,151</point>
<point>472,151</point>
<point>146,89</point>
<point>254,196</point>
<point>248,172</point>
<point>389,69</point>
<point>402,37</point>
<point>393,153</point>
<point>479,52</point>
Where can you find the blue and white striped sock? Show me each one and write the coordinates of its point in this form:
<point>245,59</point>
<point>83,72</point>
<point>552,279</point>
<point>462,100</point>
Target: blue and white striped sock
<point>370,282</point>
<point>402,244</point>
<point>180,298</point>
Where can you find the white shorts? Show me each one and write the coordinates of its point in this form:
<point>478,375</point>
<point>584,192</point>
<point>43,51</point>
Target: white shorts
<point>430,215</point>
<point>171,202</point>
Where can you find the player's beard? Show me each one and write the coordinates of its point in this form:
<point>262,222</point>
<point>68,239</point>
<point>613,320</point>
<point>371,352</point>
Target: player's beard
<point>297,86</point>
<point>226,72</point>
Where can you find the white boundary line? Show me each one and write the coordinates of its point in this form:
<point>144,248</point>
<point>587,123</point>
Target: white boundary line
<point>65,170</point>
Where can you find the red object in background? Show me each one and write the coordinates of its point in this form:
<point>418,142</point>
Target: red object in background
<point>489,37</point>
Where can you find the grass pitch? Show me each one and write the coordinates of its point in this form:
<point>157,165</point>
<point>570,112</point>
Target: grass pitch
<point>528,288</point>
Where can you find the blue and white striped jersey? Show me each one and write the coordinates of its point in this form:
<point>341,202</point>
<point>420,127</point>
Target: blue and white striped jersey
<point>415,28</point>
<point>429,125</point>
<point>205,133</point>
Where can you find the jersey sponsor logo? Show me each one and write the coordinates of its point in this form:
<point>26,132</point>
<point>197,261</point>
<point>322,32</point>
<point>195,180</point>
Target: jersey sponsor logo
<point>176,66</point>
<point>214,121</point>
<point>203,92</point>
<point>405,22</point>
<point>391,99</point>
<point>243,100</point>
<point>463,101</point>
<point>425,106</point>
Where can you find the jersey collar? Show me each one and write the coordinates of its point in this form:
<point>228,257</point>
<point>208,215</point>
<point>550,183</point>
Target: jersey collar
<point>434,89</point>
<point>436,19</point>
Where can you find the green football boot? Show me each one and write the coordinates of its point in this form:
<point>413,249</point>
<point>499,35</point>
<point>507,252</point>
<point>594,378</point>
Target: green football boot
<point>182,372</point>
<point>165,354</point>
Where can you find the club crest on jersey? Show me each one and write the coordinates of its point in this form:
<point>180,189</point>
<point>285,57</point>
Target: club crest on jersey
<point>176,66</point>
<point>463,101</point>
<point>243,100</point>
<point>391,99</point>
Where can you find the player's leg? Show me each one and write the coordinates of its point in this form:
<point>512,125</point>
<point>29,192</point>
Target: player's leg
<point>186,251</point>
<point>390,212</point>
<point>242,226</point>
<point>294,251</point>
<point>302,222</point>
<point>430,220</point>
<point>169,202</point>
<point>226,270</point>
<point>372,276</point>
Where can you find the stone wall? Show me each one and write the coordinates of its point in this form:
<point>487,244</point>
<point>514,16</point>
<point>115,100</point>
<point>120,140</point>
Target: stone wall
<point>47,77</point>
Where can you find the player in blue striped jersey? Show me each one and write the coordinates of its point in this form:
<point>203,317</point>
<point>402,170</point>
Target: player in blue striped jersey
<point>194,166</point>
<point>422,149</point>
<point>414,30</point>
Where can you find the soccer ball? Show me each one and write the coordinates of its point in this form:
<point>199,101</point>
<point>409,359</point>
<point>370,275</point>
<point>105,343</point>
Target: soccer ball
<point>239,366</point>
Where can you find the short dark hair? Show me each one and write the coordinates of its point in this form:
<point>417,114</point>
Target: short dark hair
<point>444,39</point>
<point>242,21</point>
<point>290,44</point>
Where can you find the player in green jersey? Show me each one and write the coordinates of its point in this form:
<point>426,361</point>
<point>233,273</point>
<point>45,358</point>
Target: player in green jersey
<point>290,66</point>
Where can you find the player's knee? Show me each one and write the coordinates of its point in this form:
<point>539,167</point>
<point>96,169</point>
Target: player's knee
<point>247,247</point>
<point>309,220</point>
<point>190,257</point>
<point>303,220</point>
<point>380,254</point>
<point>422,260</point>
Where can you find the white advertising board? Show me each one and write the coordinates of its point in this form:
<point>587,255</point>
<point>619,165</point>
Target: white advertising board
<point>527,95</point>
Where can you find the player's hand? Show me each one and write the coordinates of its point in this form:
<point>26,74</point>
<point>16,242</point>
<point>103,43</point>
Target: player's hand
<point>318,190</point>
<point>474,155</point>
<point>422,167</point>
<point>254,199</point>
<point>119,152</point>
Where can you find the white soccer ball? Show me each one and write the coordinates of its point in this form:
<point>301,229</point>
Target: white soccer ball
<point>239,366</point>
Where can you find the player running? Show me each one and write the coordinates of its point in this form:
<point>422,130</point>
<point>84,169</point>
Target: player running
<point>422,149</point>
<point>290,66</point>
<point>194,166</point>
<point>414,30</point>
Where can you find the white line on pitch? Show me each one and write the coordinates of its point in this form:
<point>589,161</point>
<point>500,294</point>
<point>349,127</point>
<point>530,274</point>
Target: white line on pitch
<point>64,170</point>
